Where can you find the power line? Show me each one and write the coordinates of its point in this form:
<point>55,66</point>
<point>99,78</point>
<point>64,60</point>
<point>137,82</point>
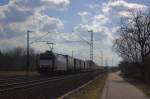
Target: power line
<point>91,46</point>
<point>87,42</point>
<point>36,40</point>
<point>50,44</point>
<point>83,39</point>
<point>28,47</point>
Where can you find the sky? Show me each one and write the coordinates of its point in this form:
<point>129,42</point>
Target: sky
<point>68,23</point>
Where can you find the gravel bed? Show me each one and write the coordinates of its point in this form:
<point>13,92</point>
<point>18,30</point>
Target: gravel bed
<point>50,90</point>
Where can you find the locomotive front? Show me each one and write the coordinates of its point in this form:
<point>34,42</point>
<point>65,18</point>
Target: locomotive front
<point>46,62</point>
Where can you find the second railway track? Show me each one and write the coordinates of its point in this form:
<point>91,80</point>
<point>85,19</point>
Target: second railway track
<point>25,84</point>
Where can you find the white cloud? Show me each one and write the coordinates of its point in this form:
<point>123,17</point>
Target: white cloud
<point>57,3</point>
<point>100,19</point>
<point>25,8</point>
<point>84,16</point>
<point>18,16</point>
<point>26,15</point>
<point>124,4</point>
<point>36,22</point>
<point>45,23</point>
<point>104,20</point>
<point>109,14</point>
<point>117,5</point>
<point>97,23</point>
<point>124,13</point>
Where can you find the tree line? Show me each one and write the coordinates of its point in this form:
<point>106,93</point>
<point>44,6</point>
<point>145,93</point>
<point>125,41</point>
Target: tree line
<point>133,45</point>
<point>15,59</point>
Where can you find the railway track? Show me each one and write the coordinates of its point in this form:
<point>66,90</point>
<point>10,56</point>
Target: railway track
<point>31,83</point>
<point>13,79</point>
<point>49,88</point>
<point>19,79</point>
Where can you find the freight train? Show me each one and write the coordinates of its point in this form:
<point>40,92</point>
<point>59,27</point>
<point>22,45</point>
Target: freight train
<point>54,63</point>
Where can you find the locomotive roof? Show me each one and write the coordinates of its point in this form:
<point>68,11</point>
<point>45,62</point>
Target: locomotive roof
<point>49,53</point>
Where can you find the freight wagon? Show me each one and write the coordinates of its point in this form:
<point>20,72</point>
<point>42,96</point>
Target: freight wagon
<point>52,63</point>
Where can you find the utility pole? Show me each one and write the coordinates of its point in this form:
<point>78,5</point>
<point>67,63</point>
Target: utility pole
<point>72,53</point>
<point>28,57</point>
<point>106,62</point>
<point>112,61</point>
<point>102,58</point>
<point>29,43</point>
<point>91,48</point>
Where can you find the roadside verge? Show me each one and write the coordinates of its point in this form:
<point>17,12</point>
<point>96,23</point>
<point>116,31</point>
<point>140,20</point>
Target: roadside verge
<point>90,90</point>
<point>140,85</point>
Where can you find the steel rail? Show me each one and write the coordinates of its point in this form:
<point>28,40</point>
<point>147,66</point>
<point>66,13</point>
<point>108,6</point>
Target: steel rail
<point>35,83</point>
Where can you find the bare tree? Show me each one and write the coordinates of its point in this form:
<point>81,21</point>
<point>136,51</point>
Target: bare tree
<point>133,43</point>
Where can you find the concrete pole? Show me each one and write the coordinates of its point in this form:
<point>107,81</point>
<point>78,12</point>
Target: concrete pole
<point>28,56</point>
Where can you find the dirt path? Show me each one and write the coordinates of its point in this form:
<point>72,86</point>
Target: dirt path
<point>117,88</point>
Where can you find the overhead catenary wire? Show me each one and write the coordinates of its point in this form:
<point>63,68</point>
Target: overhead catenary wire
<point>90,44</point>
<point>37,40</point>
<point>83,39</point>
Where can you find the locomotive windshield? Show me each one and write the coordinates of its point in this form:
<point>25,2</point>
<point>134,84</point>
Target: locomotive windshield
<point>46,60</point>
<point>47,55</point>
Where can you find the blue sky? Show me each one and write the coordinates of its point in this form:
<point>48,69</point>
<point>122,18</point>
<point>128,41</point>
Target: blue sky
<point>61,17</point>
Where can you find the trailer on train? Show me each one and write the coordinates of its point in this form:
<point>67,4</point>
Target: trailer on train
<point>54,63</point>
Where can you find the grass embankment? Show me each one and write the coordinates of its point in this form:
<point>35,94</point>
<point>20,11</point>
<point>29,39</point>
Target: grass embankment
<point>140,85</point>
<point>91,91</point>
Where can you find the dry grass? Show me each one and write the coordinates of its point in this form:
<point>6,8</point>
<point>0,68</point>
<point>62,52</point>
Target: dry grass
<point>91,91</point>
<point>142,86</point>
